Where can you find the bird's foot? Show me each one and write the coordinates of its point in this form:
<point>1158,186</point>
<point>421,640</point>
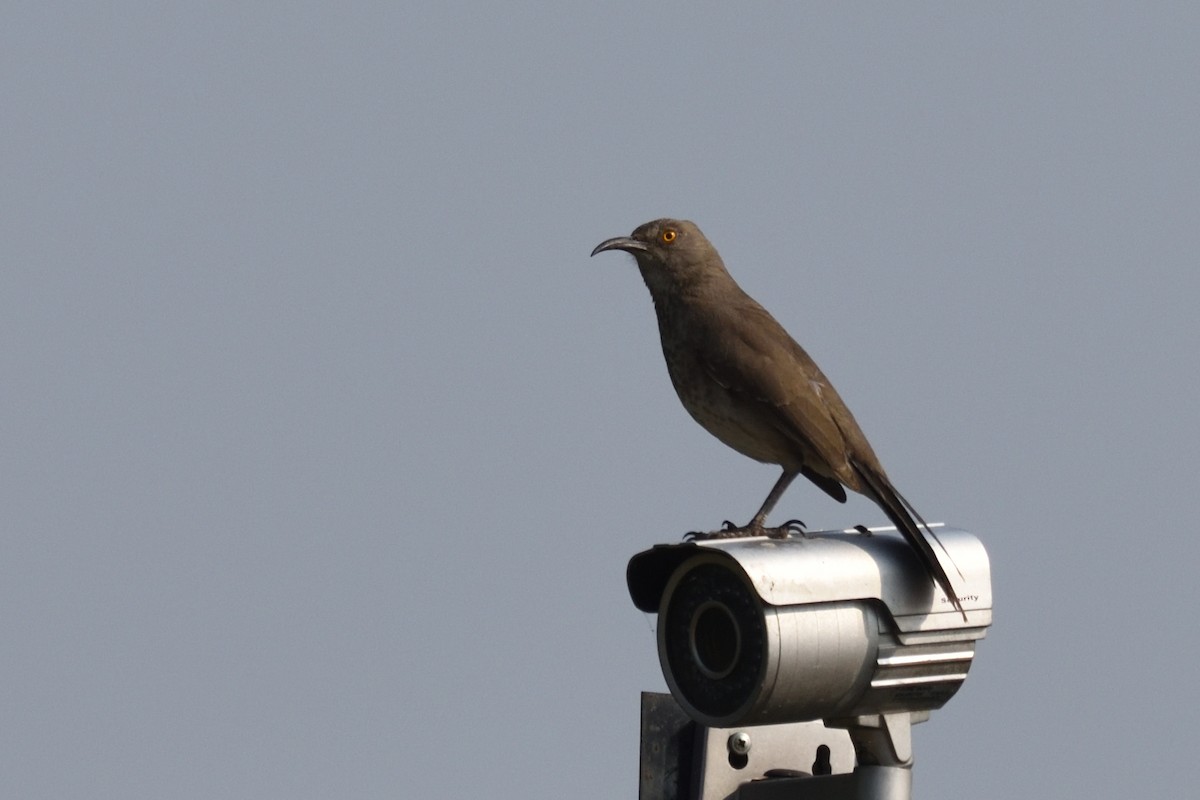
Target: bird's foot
<point>730,531</point>
<point>864,530</point>
<point>788,528</point>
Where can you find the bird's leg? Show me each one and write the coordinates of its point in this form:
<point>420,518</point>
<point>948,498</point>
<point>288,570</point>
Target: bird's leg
<point>781,485</point>
<point>755,526</point>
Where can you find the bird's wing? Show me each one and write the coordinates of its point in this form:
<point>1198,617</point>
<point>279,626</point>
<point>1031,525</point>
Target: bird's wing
<point>750,354</point>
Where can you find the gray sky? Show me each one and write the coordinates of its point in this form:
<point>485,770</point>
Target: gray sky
<point>325,444</point>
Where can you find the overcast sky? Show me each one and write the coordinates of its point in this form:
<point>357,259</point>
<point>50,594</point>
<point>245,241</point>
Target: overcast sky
<point>324,444</point>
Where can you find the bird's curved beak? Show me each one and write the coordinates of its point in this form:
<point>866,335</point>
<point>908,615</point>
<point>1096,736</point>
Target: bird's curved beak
<point>629,245</point>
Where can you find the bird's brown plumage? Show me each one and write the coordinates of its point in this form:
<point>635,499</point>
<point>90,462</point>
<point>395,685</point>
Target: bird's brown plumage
<point>745,380</point>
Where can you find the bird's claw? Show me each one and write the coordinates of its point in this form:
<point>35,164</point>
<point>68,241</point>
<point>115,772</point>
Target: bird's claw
<point>787,529</point>
<point>730,531</point>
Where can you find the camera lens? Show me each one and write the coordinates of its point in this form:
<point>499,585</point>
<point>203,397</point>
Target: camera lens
<point>716,639</point>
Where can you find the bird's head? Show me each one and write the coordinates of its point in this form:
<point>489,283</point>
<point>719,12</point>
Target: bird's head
<point>672,255</point>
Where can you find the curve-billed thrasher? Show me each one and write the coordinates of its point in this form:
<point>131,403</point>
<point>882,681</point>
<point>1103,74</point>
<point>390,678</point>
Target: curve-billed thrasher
<point>741,376</point>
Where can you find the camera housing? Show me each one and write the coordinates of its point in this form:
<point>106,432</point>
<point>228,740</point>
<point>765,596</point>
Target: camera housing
<point>835,625</point>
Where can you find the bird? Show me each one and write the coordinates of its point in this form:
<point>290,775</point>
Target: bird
<point>745,380</point>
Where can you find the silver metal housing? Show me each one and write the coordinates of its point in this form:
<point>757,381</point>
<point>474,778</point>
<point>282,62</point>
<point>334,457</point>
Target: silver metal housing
<point>833,625</point>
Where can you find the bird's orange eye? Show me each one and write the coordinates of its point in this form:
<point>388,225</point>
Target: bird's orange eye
<point>668,236</point>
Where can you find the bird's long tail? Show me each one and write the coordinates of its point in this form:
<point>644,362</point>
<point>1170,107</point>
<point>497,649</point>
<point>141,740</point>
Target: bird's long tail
<point>906,520</point>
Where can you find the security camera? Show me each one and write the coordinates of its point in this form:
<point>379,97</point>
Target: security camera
<point>833,626</point>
